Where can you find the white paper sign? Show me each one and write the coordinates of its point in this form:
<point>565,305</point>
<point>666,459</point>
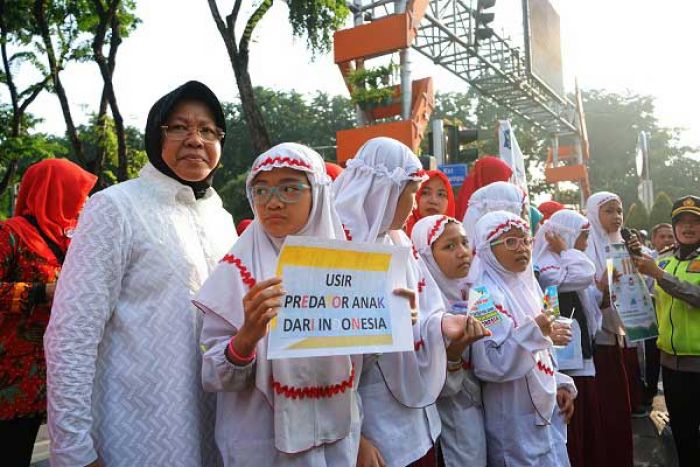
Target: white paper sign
<point>340,299</point>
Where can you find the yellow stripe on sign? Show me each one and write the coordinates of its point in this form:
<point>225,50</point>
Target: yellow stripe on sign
<point>341,341</point>
<point>317,257</point>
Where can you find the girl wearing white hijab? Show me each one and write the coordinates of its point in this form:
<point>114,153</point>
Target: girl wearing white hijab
<point>604,212</point>
<point>522,388</point>
<point>442,245</point>
<point>559,256</point>
<point>497,196</point>
<point>374,197</point>
<point>270,412</point>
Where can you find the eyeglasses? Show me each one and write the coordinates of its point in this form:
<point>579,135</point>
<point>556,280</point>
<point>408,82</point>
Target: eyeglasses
<point>181,132</point>
<point>285,192</point>
<point>513,243</point>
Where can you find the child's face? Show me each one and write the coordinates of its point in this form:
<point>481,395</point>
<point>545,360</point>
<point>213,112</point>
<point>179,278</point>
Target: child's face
<point>610,216</point>
<point>581,242</point>
<point>433,198</point>
<point>451,252</point>
<point>404,206</point>
<point>517,259</point>
<point>286,216</point>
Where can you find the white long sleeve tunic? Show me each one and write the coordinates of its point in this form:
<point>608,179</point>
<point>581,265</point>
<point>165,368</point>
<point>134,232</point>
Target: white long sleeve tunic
<point>516,434</point>
<point>122,346</point>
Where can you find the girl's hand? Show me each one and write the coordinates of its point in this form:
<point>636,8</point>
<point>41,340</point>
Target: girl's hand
<point>556,242</point>
<point>565,401</point>
<point>411,296</point>
<point>544,321</point>
<point>473,331</point>
<point>368,455</point>
<point>260,305</point>
<point>561,333</point>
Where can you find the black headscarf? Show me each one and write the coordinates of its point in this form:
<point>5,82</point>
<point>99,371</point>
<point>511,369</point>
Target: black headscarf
<point>159,113</point>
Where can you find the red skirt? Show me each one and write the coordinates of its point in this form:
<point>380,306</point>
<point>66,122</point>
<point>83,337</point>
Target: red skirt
<point>585,431</point>
<point>614,403</point>
<point>634,377</point>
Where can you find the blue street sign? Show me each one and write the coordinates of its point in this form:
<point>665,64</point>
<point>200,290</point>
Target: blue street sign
<point>456,173</point>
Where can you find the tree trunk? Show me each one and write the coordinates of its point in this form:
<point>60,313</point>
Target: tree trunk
<point>254,119</point>
<point>40,16</point>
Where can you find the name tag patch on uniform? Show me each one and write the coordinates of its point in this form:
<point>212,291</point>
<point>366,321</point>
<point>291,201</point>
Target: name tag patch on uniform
<point>694,266</point>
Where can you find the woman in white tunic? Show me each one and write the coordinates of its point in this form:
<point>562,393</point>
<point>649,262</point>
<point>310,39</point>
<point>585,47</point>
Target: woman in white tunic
<point>374,197</point>
<point>286,412</point>
<point>442,244</point>
<point>521,387</point>
<point>122,346</point>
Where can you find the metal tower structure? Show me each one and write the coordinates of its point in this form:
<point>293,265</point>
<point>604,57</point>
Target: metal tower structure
<point>445,31</point>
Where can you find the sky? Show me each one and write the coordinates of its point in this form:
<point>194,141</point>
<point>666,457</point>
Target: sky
<point>636,46</point>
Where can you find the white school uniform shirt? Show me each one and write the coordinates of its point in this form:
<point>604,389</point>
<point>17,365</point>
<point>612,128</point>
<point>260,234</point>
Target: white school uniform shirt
<point>463,436</point>
<point>515,363</point>
<point>271,412</point>
<point>399,389</point>
<point>611,325</point>
<point>570,271</point>
<point>122,349</point>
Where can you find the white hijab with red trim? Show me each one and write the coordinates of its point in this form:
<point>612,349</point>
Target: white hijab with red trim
<point>599,238</point>
<point>255,254</point>
<point>425,232</point>
<point>518,295</point>
<point>566,223</point>
<point>366,197</point>
<point>368,190</point>
<point>497,196</point>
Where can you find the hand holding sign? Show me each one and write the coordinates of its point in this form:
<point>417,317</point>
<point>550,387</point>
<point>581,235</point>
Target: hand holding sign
<point>260,305</point>
<point>411,296</point>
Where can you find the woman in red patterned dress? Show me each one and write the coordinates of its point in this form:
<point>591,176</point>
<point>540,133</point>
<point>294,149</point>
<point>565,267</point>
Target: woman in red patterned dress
<point>32,247</point>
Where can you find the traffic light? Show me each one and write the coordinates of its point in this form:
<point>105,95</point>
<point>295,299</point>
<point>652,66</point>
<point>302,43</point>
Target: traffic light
<point>456,138</point>
<point>482,19</point>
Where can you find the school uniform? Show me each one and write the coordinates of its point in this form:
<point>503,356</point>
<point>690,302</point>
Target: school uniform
<point>573,274</point>
<point>277,412</point>
<point>398,389</point>
<point>463,437</point>
<point>515,362</point>
<point>611,374</point>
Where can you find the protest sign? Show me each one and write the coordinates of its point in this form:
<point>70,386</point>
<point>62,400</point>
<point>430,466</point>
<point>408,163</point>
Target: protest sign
<point>629,295</point>
<point>339,299</point>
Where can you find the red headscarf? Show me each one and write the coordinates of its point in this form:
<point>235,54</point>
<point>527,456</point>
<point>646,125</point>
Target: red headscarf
<point>333,170</point>
<point>52,191</point>
<point>449,211</point>
<point>548,208</point>
<point>486,170</point>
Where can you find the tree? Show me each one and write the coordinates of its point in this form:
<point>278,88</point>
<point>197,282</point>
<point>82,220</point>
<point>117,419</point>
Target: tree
<point>315,19</point>
<point>18,32</point>
<point>614,121</point>
<point>111,21</point>
<point>289,116</point>
<point>637,217</point>
<point>661,210</point>
<point>59,20</point>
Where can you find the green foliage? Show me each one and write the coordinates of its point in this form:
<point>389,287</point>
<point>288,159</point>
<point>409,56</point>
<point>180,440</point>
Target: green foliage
<point>637,217</point>
<point>317,20</point>
<point>661,210</point>
<point>289,116</point>
<point>614,122</point>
